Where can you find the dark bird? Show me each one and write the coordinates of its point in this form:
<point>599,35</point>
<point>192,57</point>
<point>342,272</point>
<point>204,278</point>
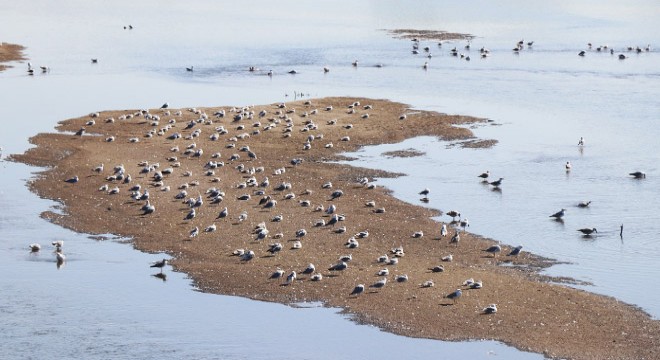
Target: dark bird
<point>454,214</point>
<point>497,183</point>
<point>587,231</point>
<point>638,175</point>
<point>165,106</point>
<point>222,213</point>
<point>192,68</point>
<point>159,264</point>
<point>583,204</point>
<point>335,194</point>
<point>490,309</point>
<point>94,61</point>
<point>274,248</point>
<point>80,132</point>
<point>515,251</point>
<point>425,192</point>
<point>438,268</point>
<point>485,175</point>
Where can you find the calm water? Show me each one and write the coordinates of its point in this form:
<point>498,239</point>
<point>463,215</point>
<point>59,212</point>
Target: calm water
<point>544,99</point>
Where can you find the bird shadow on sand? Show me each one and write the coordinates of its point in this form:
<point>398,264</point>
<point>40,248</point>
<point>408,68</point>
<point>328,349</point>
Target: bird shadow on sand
<point>445,304</point>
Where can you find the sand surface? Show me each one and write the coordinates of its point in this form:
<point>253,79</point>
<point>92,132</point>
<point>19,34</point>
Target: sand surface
<point>10,52</point>
<point>533,314</point>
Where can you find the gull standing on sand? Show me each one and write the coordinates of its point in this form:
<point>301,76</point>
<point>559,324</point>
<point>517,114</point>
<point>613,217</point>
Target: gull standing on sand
<point>515,251</point>
<point>359,289</point>
<point>72,180</point>
<point>454,295</point>
<point>494,249</point>
<point>490,309</point>
<point>379,284</point>
<point>290,278</point>
<point>456,238</point>
<point>443,230</point>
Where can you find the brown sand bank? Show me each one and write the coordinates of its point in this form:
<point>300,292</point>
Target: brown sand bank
<point>10,52</point>
<point>532,314</point>
<point>431,35</point>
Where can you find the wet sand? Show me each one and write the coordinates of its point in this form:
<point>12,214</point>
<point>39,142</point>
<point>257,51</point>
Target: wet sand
<point>10,52</point>
<point>534,313</point>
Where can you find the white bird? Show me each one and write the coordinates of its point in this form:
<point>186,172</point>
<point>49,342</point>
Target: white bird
<point>568,166</point>
<point>291,278</point>
<point>443,230</point>
<point>359,289</point>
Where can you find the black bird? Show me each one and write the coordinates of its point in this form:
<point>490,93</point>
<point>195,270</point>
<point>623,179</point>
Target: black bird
<point>485,175</point>
<point>638,175</point>
<point>190,68</point>
<point>335,194</point>
<point>497,183</point>
<point>584,204</point>
<point>359,289</point>
<point>515,251</point>
<point>222,213</point>
<point>159,264</point>
<point>587,231</point>
<point>165,106</point>
<point>425,192</point>
<point>80,132</point>
<point>455,295</point>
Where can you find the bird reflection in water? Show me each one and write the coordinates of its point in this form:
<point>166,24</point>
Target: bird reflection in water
<point>161,276</point>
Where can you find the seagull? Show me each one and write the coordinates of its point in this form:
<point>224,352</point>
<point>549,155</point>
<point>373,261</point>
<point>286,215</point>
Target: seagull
<point>94,61</point>
<point>587,231</point>
<point>402,278</point>
<point>497,183</point>
<point>72,180</point>
<point>568,166</point>
<point>490,309</point>
<point>559,214</point>
<point>35,248</point>
<point>583,204</point>
<point>448,258</point>
<point>454,214</point>
<point>638,174</point>
<point>148,208</point>
<point>438,268</point>
<point>290,278</point>
<point>581,141</point>
<point>98,169</point>
<point>494,249</point>
<point>309,269</point>
<point>338,266</point>
<point>277,274</point>
<point>418,234</point>
<point>515,251</point>
<point>484,175</point>
<point>455,295</point>
<point>425,192</point>
<point>335,194</point>
<point>274,248</point>
<point>159,264</point>
<point>465,223</point>
<point>582,53</point>
<point>190,68</point>
<point>194,232</point>
<point>359,289</point>
<point>379,284</point>
<point>165,106</point>
<point>222,213</point>
<point>58,244</point>
<point>443,230</point>
<point>456,238</point>
<point>80,132</point>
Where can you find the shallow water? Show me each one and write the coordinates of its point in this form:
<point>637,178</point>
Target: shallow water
<point>544,99</point>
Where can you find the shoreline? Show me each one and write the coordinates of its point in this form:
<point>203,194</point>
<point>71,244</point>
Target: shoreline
<point>10,52</point>
<point>533,314</point>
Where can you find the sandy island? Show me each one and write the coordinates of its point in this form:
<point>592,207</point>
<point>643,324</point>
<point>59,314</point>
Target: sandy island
<point>534,312</point>
<point>10,52</point>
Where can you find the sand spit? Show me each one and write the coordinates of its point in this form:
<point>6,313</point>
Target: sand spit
<point>432,35</point>
<point>10,52</point>
<point>256,145</point>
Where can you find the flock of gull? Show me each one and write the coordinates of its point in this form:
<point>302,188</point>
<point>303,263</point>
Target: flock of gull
<point>258,190</point>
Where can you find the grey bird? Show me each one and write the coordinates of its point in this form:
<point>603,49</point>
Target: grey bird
<point>338,266</point>
<point>379,284</point>
<point>638,174</point>
<point>493,249</point>
<point>455,295</point>
<point>309,269</point>
<point>72,180</point>
<point>497,183</point>
<point>559,214</point>
<point>222,213</point>
<point>456,238</point>
<point>584,204</point>
<point>454,214</point>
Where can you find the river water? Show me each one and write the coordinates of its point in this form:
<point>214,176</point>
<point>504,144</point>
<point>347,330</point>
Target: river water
<point>105,304</point>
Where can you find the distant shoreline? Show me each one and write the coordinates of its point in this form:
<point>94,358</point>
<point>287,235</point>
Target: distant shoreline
<point>533,313</point>
<point>10,52</point>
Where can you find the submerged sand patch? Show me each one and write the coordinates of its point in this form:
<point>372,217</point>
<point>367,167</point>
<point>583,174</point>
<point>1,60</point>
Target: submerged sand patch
<point>10,52</point>
<point>533,314</point>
